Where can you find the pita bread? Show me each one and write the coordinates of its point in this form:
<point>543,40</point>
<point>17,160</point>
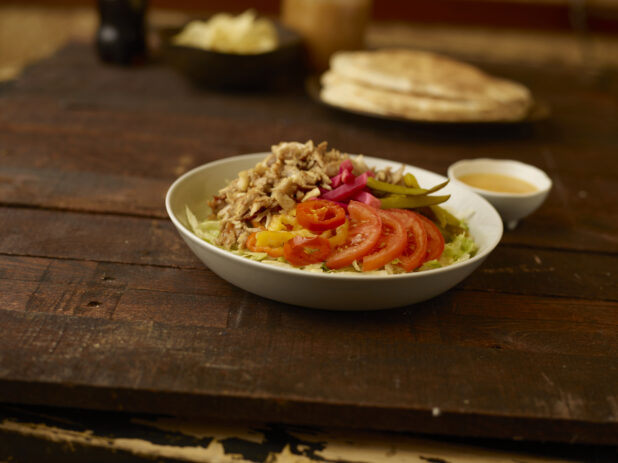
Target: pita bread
<point>349,94</point>
<point>424,73</point>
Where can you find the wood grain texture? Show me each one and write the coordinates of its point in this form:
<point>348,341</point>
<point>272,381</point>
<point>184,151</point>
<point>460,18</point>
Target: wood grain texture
<point>372,381</point>
<point>180,296</point>
<point>104,307</point>
<point>132,240</point>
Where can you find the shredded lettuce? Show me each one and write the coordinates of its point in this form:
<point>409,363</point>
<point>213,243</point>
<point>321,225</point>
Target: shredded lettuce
<point>461,248</point>
<point>429,265</point>
<point>208,230</point>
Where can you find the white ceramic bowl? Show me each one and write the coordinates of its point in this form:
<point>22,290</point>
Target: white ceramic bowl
<point>341,291</point>
<point>511,206</point>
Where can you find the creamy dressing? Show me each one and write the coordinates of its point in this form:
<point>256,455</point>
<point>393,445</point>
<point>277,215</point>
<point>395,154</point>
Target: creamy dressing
<point>498,182</point>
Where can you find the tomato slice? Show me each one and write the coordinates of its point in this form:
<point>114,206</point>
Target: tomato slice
<point>391,243</point>
<point>319,214</point>
<point>365,229</point>
<point>302,250</point>
<point>416,249</point>
<point>271,251</point>
<point>435,240</point>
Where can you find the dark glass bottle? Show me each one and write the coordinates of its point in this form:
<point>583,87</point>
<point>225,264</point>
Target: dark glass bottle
<point>121,38</point>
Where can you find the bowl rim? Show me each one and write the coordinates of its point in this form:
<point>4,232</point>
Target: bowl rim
<point>495,194</point>
<point>479,257</point>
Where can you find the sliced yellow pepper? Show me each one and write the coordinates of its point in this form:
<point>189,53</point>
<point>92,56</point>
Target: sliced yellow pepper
<point>272,239</point>
<point>284,222</point>
<point>339,235</point>
<point>275,239</point>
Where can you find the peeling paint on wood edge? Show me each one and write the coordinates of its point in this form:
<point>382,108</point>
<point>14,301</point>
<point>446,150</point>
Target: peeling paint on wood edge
<point>335,446</point>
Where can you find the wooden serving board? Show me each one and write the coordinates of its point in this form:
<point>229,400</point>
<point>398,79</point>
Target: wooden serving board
<point>102,306</point>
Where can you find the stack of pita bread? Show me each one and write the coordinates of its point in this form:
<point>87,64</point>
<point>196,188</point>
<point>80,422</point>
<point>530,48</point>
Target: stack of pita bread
<point>421,86</point>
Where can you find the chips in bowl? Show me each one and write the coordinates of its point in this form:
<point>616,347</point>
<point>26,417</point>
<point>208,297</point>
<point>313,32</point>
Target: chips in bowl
<point>243,34</point>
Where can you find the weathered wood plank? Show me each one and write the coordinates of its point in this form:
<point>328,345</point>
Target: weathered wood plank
<point>198,298</point>
<point>155,242</point>
<point>209,133</point>
<point>80,236</point>
<point>579,214</point>
<point>83,191</point>
<point>47,351</point>
<point>522,279</point>
<point>547,272</point>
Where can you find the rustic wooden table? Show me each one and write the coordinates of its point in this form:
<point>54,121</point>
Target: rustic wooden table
<point>103,307</point>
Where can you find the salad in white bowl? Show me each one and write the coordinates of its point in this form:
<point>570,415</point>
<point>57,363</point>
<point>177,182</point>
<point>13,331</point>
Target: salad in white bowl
<point>316,227</point>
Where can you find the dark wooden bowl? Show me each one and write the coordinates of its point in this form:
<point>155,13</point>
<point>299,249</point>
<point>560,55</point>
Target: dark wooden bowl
<point>206,68</point>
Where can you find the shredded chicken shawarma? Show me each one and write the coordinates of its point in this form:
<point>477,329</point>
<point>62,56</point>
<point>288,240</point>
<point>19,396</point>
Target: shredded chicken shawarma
<point>292,173</point>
